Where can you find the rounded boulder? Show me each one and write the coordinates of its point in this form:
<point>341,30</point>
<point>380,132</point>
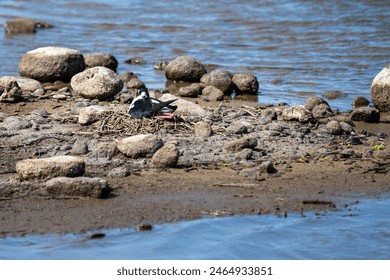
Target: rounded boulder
<point>380,90</point>
<point>185,68</point>
<point>219,79</point>
<point>141,145</point>
<point>97,83</point>
<point>49,64</point>
<point>101,59</point>
<point>245,83</point>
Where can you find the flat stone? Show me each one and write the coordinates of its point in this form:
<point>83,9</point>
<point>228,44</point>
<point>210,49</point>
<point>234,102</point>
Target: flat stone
<point>68,166</point>
<point>240,144</point>
<point>77,187</point>
<point>142,145</point>
<point>185,107</point>
<point>91,114</point>
<point>365,114</point>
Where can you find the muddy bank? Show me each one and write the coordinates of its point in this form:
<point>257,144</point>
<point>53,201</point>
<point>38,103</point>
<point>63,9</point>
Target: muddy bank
<point>243,164</point>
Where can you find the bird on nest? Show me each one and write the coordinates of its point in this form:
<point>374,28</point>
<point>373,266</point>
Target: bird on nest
<point>144,106</point>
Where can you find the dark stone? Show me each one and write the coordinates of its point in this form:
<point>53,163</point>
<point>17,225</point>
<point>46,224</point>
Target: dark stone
<point>365,114</point>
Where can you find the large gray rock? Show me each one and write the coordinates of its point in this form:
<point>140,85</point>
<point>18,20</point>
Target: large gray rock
<point>220,79</point>
<point>297,113</point>
<point>245,83</point>
<point>185,68</point>
<point>142,145</point>
<point>49,64</point>
<point>380,90</point>
<point>165,157</point>
<point>77,187</point>
<point>97,83</point>
<point>68,166</point>
<point>101,59</point>
<point>26,84</point>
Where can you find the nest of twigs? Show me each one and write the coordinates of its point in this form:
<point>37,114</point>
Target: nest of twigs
<point>119,121</point>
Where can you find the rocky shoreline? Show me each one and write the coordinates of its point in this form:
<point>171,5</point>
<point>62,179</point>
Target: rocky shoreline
<point>73,160</point>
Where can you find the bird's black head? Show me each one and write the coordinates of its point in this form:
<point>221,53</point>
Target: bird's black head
<point>141,91</point>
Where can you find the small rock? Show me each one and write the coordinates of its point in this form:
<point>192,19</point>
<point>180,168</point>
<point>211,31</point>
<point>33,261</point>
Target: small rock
<point>314,101</point>
<point>240,144</point>
<point>245,154</point>
<point>119,172</point>
<point>237,127</point>
<point>68,166</point>
<point>144,227</point>
<point>268,115</point>
<point>80,147</point>
<point>346,127</point>
<point>360,101</point>
<point>185,68</point>
<point>49,64</point>
<point>245,83</point>
<point>77,187</point>
<point>165,157</point>
<point>203,129</point>
<point>213,93</point>
<point>190,91</point>
<point>105,150</point>
<point>135,83</point>
<point>297,113</point>
<point>334,128</point>
<point>97,83</point>
<point>267,167</point>
<point>322,111</point>
<point>101,59</point>
<point>11,93</point>
<point>365,114</point>
<point>161,65</point>
<point>220,79</point>
<point>91,114</point>
<point>141,145</point>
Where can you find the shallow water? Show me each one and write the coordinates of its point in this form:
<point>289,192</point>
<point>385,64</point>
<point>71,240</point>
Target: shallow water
<point>360,231</point>
<point>296,48</point>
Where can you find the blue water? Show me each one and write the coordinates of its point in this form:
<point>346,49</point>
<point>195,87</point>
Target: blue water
<point>360,231</point>
<point>296,48</point>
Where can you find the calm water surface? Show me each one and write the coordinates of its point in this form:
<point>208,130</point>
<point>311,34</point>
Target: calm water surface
<point>360,231</point>
<point>296,48</point>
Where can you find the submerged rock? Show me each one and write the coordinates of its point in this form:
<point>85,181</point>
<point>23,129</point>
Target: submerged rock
<point>97,83</point>
<point>49,64</point>
<point>23,25</point>
<point>101,59</point>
